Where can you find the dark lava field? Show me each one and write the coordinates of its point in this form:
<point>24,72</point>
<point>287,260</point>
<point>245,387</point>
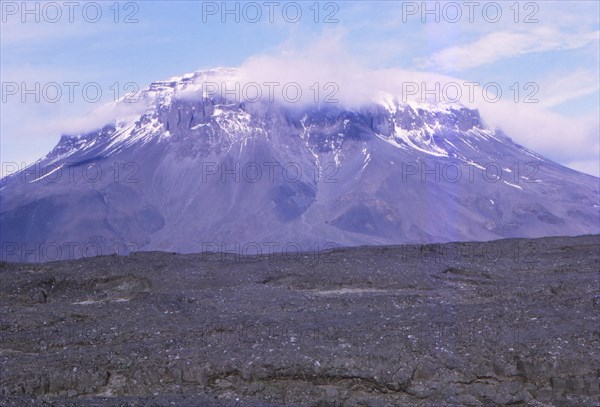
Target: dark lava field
<point>510,322</point>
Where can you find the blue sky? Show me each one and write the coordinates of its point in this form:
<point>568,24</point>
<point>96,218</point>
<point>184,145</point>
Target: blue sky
<point>554,45</point>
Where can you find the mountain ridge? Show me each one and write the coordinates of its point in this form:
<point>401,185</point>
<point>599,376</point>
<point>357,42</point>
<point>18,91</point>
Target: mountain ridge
<point>194,170</point>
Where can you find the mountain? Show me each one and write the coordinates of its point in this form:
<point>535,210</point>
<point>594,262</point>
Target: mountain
<point>196,172</point>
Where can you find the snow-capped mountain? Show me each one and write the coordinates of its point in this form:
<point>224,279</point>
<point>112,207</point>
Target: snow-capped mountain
<point>198,172</point>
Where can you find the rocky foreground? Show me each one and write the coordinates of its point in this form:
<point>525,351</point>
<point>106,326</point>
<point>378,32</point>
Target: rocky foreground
<point>511,322</point>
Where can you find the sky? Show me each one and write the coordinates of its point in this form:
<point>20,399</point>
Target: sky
<point>544,58</point>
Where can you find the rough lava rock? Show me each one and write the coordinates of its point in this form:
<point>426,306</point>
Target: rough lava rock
<point>508,322</point>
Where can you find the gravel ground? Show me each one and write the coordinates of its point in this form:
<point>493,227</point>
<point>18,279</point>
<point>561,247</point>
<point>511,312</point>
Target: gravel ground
<point>510,322</point>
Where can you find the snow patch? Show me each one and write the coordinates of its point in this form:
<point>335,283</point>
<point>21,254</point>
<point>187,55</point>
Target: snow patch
<point>513,185</point>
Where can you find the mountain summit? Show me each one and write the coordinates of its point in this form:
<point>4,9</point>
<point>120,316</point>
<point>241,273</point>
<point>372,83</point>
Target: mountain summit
<point>196,172</point>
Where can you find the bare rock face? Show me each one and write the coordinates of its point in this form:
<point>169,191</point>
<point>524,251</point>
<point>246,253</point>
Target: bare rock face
<point>192,173</point>
<point>509,322</point>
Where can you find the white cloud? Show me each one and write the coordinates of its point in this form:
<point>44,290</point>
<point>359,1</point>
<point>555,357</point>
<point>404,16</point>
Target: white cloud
<point>564,139</point>
<point>591,166</point>
<point>99,117</point>
<point>557,89</point>
<point>324,62</point>
<point>507,44</point>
